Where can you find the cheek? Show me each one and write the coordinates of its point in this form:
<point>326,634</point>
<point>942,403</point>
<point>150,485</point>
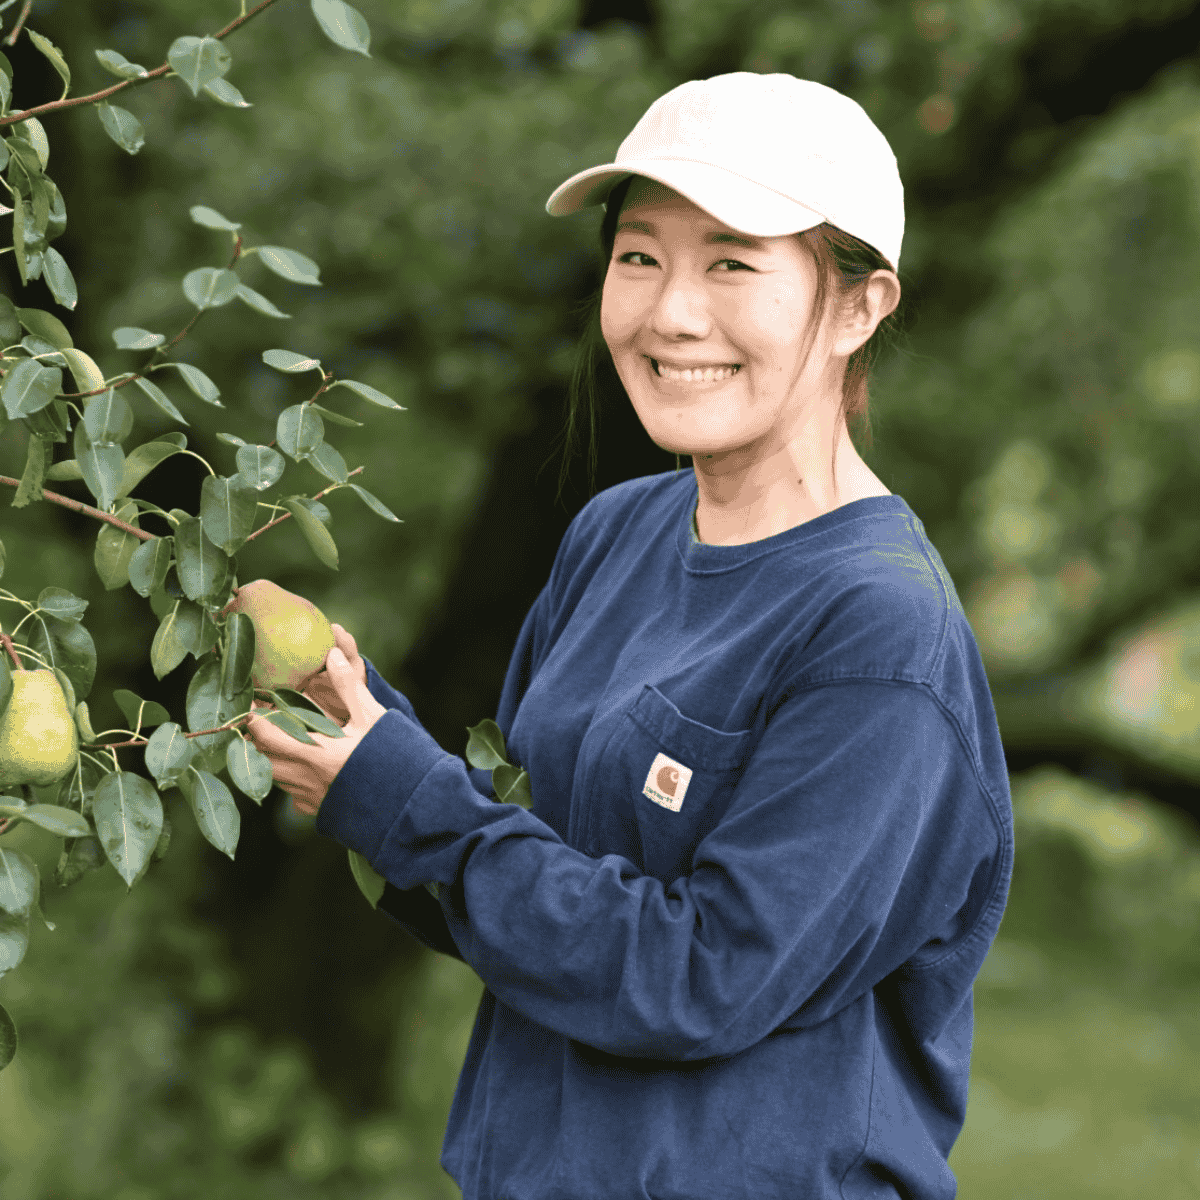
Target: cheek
<point>620,313</point>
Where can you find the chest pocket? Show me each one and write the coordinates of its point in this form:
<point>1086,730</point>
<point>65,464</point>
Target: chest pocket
<point>665,782</point>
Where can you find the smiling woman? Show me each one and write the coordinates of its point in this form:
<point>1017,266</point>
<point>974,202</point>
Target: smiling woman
<point>729,949</point>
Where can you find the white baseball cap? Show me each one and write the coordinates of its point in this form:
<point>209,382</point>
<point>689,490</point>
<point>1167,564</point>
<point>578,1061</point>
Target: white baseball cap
<point>766,155</point>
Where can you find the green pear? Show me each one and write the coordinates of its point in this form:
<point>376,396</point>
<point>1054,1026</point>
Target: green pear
<point>38,742</point>
<point>291,634</point>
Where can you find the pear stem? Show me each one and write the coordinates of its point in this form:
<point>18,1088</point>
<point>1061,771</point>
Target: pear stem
<point>7,641</point>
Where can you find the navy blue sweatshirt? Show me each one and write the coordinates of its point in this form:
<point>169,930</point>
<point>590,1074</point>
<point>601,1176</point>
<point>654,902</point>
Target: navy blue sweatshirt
<point>729,952</point>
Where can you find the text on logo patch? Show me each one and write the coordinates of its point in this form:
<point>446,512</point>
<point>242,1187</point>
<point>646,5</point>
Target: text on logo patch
<point>667,782</point>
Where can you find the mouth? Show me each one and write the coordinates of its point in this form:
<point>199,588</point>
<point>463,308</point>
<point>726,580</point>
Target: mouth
<point>716,373</point>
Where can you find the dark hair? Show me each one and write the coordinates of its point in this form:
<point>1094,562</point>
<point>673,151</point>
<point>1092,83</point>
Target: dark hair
<point>840,258</point>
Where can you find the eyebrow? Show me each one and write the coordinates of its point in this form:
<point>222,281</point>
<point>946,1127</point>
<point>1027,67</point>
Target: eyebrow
<point>715,237</point>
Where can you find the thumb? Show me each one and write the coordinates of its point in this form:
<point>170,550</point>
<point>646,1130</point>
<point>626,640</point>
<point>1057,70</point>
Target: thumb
<point>345,682</point>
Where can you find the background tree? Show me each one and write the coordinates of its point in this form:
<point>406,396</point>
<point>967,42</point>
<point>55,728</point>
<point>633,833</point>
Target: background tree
<point>252,1025</point>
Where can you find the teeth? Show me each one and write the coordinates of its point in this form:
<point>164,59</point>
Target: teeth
<point>698,375</point>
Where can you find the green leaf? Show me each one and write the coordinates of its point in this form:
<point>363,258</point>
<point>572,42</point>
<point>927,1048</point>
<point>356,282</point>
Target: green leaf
<point>50,424</point>
<point>52,52</point>
<point>14,941</point>
<point>6,684</point>
<point>64,471</point>
<point>214,808</point>
<point>299,431</point>
<point>79,857</point>
<point>285,360</point>
<point>29,387</point>
<point>10,326</point>
<point>37,459</point>
<point>202,565</point>
<point>290,265</point>
<point>230,439</point>
<point>328,462</point>
<point>259,466</point>
<point>259,302</point>
<point>511,785</point>
<point>319,539</point>
<point>335,418</point>
<point>118,65</point>
<point>304,709</point>
<point>18,881</point>
<point>5,100</point>
<point>485,746</point>
<point>66,646</point>
<point>32,130</point>
<point>115,548</point>
<point>238,661</point>
<point>21,218</point>
<point>58,602</point>
<point>108,417</point>
<point>210,287</point>
<point>46,326</point>
<point>177,633</point>
<point>102,465</point>
<point>370,883</point>
<point>122,126</point>
<point>168,754</point>
<point>143,459</point>
<point>159,398</point>
<point>83,723</point>
<point>208,707</point>
<point>64,822</point>
<point>249,768</point>
<point>198,60</point>
<point>368,393</point>
<point>290,725</point>
<point>318,510</point>
<point>223,92</point>
<point>374,503</point>
<point>59,279</point>
<point>8,1031</point>
<point>211,219</point>
<point>88,377</point>
<point>64,682</point>
<point>343,25</point>
<point>130,337</point>
<point>141,714</point>
<point>129,817</point>
<point>56,226</point>
<point>148,566</point>
<point>197,381</point>
<point>227,510</point>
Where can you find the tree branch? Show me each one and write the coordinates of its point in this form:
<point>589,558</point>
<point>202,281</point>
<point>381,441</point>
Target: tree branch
<point>7,643</point>
<point>272,524</point>
<point>16,29</point>
<point>95,97</point>
<point>86,509</point>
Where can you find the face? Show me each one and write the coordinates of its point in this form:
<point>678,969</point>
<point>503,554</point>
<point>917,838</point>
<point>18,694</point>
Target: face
<point>685,292</point>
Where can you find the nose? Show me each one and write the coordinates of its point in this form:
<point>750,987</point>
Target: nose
<point>681,308</point>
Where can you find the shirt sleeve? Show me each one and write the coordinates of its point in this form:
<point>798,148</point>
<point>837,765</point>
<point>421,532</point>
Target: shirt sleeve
<point>858,838</point>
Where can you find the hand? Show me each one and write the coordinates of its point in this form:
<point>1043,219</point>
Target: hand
<point>320,688</point>
<point>307,771</point>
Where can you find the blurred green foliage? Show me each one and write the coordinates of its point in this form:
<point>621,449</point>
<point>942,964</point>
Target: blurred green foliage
<point>1041,422</point>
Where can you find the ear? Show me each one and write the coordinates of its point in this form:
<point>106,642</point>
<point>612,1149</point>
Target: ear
<point>879,299</point>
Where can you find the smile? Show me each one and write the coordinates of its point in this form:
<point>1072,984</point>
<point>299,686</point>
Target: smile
<point>713,374</point>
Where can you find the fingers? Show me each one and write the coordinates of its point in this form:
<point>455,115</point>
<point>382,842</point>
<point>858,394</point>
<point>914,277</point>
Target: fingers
<point>346,682</point>
<point>344,640</point>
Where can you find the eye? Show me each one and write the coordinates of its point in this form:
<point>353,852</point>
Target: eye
<point>734,264</point>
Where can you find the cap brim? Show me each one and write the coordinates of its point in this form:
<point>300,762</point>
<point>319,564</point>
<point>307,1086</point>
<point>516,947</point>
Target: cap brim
<point>734,200</point>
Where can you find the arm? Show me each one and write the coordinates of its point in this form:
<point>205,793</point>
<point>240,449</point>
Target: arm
<point>858,839</point>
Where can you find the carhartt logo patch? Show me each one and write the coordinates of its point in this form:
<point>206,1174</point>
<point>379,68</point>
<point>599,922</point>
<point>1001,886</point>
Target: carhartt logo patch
<point>667,782</point>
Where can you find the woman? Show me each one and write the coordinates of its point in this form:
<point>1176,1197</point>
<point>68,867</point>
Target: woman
<point>729,952</point>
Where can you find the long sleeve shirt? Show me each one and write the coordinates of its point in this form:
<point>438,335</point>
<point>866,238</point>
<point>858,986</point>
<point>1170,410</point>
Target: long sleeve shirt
<point>729,952</point>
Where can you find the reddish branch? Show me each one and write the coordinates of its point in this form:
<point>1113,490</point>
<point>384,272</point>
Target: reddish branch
<point>86,509</point>
<point>7,642</point>
<point>95,97</point>
<point>272,524</point>
<point>16,29</point>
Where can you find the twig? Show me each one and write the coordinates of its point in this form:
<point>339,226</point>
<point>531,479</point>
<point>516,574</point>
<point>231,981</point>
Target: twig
<point>272,524</point>
<point>199,733</point>
<point>7,641</point>
<point>95,97</point>
<point>86,509</point>
<point>16,29</point>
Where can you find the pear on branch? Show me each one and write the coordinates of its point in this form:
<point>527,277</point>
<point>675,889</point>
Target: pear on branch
<point>38,742</point>
<point>291,635</point>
